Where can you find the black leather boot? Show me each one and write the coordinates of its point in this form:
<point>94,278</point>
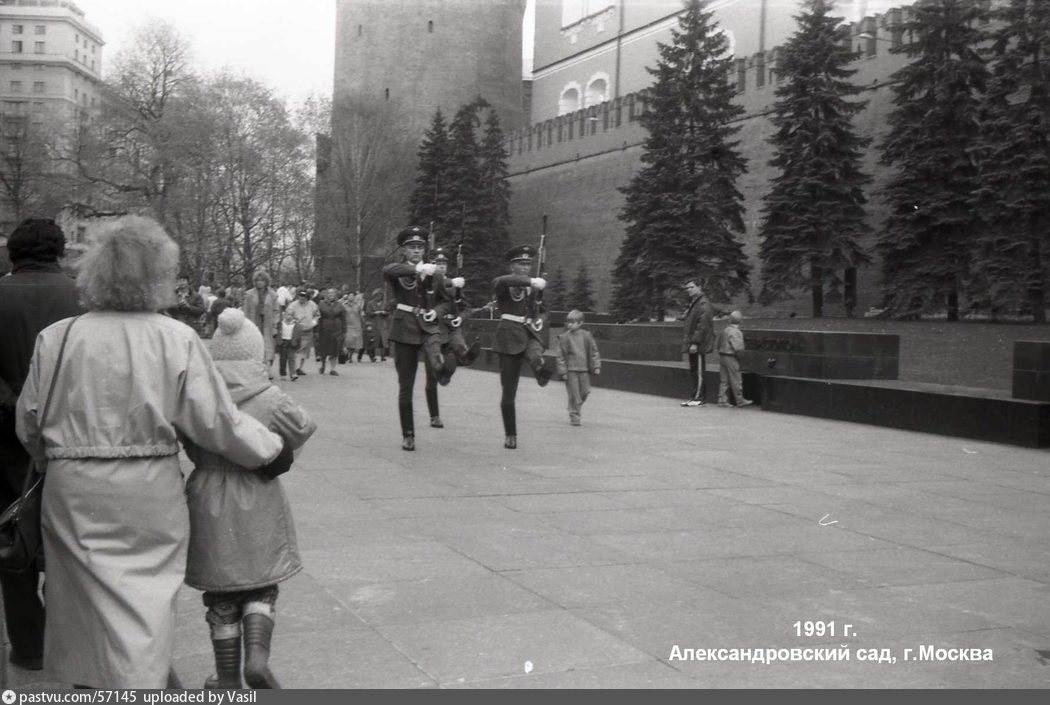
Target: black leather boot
<point>258,632</point>
<point>472,352</point>
<point>227,664</point>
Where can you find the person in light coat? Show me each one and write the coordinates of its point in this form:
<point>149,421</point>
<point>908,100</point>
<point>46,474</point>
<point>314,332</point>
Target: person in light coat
<point>114,517</point>
<point>261,308</point>
<point>242,538</point>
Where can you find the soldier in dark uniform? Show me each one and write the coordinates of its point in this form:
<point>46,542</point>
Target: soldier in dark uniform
<point>414,325</point>
<point>454,348</point>
<point>516,336</point>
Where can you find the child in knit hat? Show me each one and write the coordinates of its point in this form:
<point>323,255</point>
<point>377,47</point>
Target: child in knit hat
<point>242,539</point>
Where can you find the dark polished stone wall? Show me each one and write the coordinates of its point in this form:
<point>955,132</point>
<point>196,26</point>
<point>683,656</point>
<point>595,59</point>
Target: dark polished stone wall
<point>1031,370</point>
<point>1002,420</point>
<point>821,355</point>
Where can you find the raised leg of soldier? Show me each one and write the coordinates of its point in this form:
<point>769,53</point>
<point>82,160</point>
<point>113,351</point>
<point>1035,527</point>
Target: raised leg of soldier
<point>534,354</point>
<point>509,374</point>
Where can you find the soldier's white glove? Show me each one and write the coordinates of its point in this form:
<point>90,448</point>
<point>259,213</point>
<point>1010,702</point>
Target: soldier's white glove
<point>537,283</point>
<point>458,282</point>
<point>430,316</point>
<point>423,269</point>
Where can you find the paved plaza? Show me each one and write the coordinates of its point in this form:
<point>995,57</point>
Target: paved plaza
<point>586,556</point>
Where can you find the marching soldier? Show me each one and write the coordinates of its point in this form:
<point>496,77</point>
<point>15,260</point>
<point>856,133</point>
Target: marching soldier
<point>454,349</point>
<point>517,335</point>
<point>414,325</point>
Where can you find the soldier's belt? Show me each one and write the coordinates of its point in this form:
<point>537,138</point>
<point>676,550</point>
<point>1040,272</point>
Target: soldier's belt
<point>512,317</point>
<point>411,309</point>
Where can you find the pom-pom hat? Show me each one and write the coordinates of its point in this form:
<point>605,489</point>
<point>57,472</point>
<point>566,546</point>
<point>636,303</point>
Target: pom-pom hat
<point>236,338</point>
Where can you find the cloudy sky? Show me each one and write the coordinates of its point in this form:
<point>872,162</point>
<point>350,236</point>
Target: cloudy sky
<point>286,45</point>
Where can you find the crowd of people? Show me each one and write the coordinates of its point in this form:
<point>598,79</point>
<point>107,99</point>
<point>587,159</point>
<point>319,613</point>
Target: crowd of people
<point>103,381</point>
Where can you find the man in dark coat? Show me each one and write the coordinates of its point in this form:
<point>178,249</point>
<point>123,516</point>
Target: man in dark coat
<point>35,295</point>
<point>698,339</point>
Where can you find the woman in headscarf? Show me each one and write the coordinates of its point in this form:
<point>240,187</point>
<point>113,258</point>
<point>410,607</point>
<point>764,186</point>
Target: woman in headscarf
<point>130,382</point>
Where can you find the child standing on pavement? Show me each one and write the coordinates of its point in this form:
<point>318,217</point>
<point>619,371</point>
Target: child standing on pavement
<point>289,340</point>
<point>578,358</point>
<point>730,345</point>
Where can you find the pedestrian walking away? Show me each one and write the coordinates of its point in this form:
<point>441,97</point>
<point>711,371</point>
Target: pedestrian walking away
<point>114,518</point>
<point>698,339</point>
<point>517,339</point>
<point>578,358</point>
<point>34,296</point>
<point>242,538</point>
<point>414,322</point>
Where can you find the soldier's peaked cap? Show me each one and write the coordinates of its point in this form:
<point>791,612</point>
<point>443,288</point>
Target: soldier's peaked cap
<point>440,254</point>
<point>413,233</point>
<point>522,253</point>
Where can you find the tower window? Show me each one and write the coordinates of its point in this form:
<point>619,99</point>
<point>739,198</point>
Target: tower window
<point>430,26</point>
<point>360,29</point>
<point>386,93</point>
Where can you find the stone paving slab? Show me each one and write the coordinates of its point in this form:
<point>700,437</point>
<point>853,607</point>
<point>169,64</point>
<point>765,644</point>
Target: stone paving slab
<point>592,551</point>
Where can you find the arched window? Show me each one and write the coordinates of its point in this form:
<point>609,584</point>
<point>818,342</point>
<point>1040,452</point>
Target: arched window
<point>597,90</point>
<point>570,99</point>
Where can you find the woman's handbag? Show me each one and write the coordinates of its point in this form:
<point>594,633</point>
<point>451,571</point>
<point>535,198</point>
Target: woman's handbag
<point>20,540</point>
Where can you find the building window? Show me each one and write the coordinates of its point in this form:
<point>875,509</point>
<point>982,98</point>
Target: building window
<point>38,67</point>
<point>386,93</point>
<point>39,29</point>
<point>92,64</point>
<point>38,47</point>
<point>741,75</point>
<point>572,11</point>
<point>360,30</point>
<point>16,86</point>
<point>16,67</point>
<point>570,100</point>
<point>16,29</point>
<point>76,55</point>
<point>38,86</point>
<point>430,26</point>
<point>16,47</point>
<point>76,94</point>
<point>597,90</point>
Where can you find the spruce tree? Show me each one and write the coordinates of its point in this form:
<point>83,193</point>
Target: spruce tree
<point>1011,263</point>
<point>462,217</point>
<point>814,212</point>
<point>494,204</point>
<point>682,208</point>
<point>582,296</point>
<point>554,294</point>
<point>928,237</point>
<point>429,200</point>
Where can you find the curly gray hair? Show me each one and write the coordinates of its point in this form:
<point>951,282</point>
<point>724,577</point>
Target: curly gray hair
<point>130,267</point>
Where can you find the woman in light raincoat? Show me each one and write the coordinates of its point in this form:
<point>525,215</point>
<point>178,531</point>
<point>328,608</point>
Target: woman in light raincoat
<point>114,516</point>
